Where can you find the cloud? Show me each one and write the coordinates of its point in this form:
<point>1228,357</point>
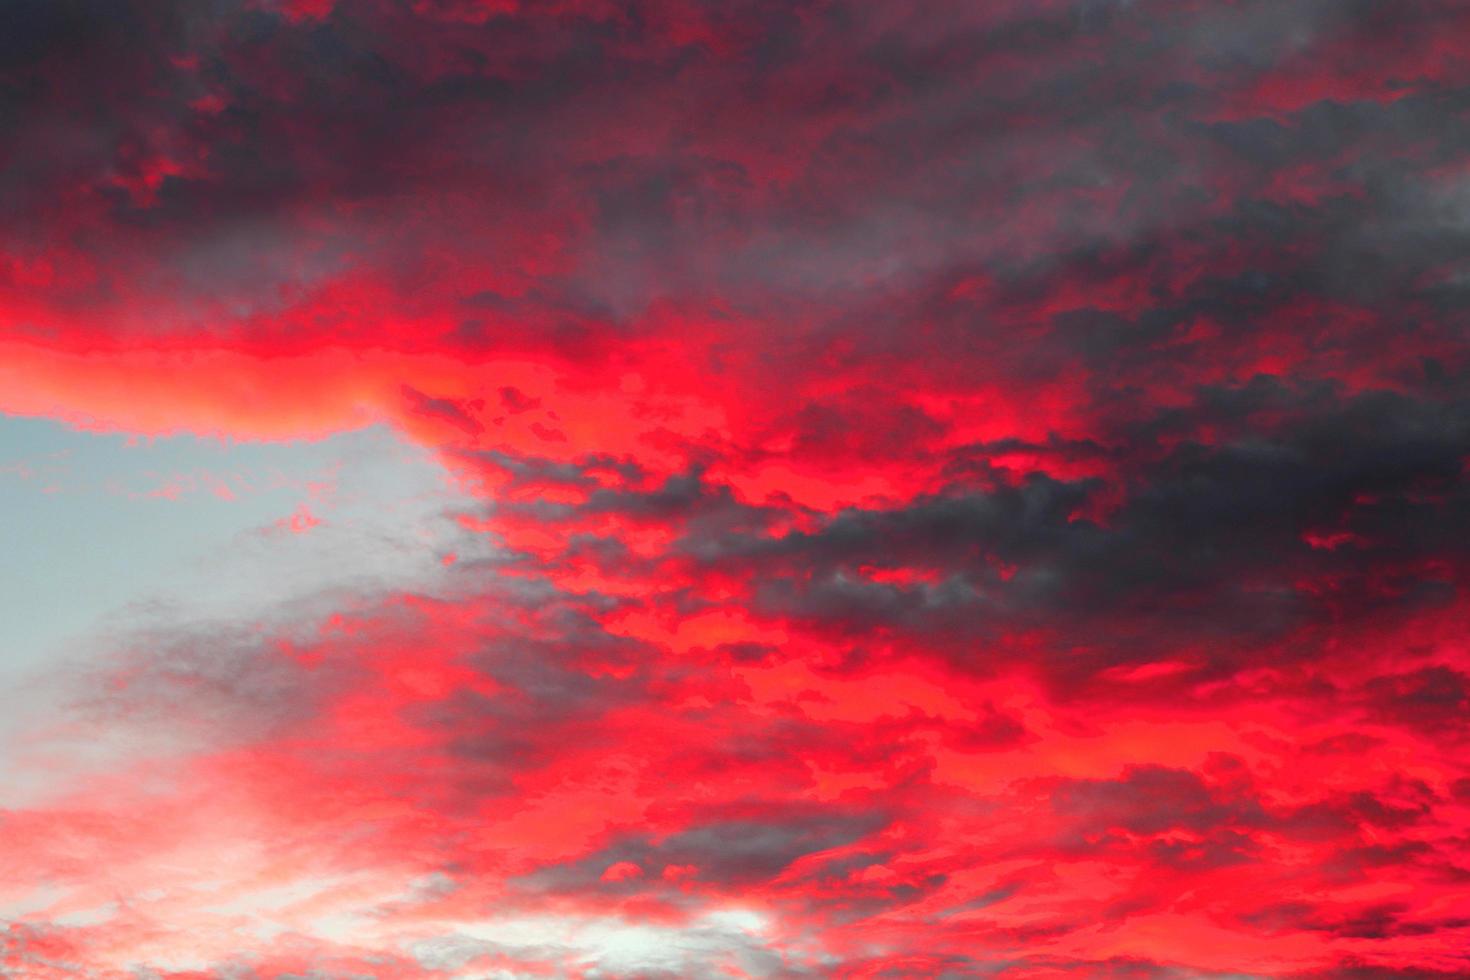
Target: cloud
<point>947,490</point>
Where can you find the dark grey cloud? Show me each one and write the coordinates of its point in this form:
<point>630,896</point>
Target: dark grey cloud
<point>729,852</point>
<point>1363,496</point>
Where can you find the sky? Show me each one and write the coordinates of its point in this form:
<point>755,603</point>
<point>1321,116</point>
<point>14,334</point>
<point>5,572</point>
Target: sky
<point>675,488</point>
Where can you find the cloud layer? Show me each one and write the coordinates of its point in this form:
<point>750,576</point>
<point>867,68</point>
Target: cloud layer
<point>945,490</point>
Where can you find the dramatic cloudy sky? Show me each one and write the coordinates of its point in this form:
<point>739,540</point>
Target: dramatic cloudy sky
<point>734,488</point>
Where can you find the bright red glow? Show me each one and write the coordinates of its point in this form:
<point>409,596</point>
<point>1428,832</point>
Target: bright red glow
<point>969,489</point>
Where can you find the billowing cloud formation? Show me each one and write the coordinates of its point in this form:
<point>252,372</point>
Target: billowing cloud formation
<point>948,489</point>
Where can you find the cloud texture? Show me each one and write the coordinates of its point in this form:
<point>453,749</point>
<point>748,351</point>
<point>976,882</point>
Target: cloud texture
<point>947,490</point>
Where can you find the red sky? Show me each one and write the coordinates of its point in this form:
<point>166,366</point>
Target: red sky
<point>942,489</point>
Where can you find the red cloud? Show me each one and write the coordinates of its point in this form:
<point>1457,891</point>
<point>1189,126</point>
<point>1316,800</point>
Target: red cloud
<point>962,490</point>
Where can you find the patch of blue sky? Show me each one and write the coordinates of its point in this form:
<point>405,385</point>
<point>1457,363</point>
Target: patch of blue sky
<point>104,533</point>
